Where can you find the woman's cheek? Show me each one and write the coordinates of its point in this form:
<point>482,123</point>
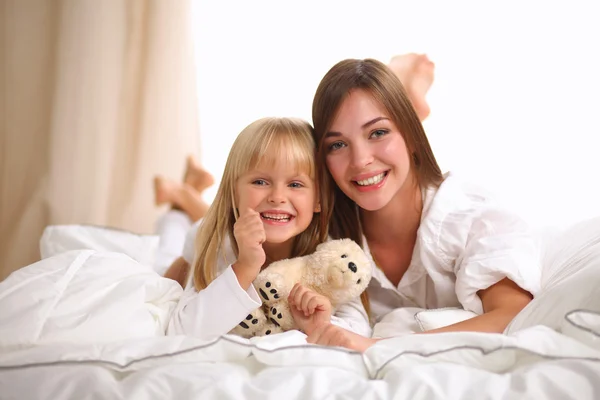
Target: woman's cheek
<point>335,167</point>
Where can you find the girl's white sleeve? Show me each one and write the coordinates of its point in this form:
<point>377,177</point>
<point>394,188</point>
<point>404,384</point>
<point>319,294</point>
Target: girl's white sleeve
<point>214,311</point>
<point>353,317</point>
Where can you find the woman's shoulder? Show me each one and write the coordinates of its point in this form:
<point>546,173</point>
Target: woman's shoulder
<point>457,200</point>
<point>459,210</point>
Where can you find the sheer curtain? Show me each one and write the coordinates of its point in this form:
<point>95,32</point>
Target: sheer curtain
<point>97,98</point>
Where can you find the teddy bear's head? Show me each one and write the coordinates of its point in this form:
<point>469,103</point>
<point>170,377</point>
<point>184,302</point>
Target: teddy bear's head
<point>344,268</point>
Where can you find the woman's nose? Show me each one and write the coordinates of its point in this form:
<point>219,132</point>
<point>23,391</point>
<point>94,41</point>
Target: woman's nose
<point>361,156</point>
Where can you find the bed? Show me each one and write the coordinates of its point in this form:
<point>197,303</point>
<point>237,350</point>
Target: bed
<point>88,322</point>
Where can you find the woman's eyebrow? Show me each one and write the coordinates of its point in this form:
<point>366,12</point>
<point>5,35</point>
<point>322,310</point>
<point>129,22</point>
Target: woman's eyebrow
<point>332,134</point>
<point>374,120</point>
<point>364,126</point>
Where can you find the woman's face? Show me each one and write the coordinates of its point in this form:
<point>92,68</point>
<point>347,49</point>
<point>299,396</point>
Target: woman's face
<point>366,153</point>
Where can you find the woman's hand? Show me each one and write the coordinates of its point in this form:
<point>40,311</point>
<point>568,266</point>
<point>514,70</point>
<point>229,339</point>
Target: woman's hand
<point>332,335</point>
<point>249,233</point>
<point>309,308</point>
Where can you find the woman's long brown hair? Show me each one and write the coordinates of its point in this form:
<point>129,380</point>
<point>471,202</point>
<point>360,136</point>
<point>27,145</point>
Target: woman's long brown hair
<point>340,214</point>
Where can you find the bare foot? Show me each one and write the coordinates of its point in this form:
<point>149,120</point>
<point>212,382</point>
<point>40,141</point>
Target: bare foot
<point>181,196</point>
<point>416,72</point>
<point>196,176</point>
<point>164,190</point>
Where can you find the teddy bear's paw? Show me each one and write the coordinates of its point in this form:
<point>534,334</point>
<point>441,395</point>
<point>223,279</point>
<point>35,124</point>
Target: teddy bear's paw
<point>251,319</point>
<point>280,316</point>
<point>275,316</point>
<point>271,329</point>
<point>268,292</point>
<point>251,325</point>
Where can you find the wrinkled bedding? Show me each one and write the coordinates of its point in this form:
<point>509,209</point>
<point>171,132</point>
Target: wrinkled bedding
<point>90,324</point>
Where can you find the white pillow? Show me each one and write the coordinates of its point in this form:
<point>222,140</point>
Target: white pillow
<point>84,296</point>
<point>60,238</point>
<point>441,317</point>
<point>408,320</point>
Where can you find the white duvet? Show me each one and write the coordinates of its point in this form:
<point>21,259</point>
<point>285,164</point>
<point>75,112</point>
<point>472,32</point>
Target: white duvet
<point>88,324</point>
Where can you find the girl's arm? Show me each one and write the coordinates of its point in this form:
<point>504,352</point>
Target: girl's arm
<point>213,311</point>
<point>311,310</point>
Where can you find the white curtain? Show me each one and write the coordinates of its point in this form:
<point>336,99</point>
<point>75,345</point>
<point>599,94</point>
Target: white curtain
<point>96,98</point>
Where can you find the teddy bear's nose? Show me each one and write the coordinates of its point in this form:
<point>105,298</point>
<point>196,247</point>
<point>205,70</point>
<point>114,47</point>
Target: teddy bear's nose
<point>352,266</point>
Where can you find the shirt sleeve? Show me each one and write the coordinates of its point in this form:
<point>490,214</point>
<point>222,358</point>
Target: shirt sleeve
<point>214,311</point>
<point>499,245</point>
<point>353,317</point>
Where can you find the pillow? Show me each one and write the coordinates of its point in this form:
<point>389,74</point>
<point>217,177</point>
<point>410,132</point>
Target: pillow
<point>440,317</point>
<point>84,297</point>
<point>408,320</point>
<point>60,238</point>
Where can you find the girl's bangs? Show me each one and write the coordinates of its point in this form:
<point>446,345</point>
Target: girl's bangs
<point>285,149</point>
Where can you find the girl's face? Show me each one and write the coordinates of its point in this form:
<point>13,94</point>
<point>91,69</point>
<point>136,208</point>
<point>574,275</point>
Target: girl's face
<point>366,153</point>
<point>285,199</point>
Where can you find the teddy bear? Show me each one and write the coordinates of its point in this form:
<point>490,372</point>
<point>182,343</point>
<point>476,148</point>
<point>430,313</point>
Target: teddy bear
<point>338,269</point>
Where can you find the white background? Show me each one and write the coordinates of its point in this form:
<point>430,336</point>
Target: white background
<point>515,102</point>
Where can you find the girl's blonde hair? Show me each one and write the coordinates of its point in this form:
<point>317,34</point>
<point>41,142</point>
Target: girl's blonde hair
<point>262,142</point>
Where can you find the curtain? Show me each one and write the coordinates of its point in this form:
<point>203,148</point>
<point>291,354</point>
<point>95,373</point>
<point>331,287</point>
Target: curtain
<point>96,97</point>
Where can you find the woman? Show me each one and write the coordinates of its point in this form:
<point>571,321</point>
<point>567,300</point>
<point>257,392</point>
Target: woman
<point>436,241</point>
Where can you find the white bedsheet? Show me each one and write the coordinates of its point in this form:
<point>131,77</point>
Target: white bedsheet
<point>537,363</point>
<point>87,324</point>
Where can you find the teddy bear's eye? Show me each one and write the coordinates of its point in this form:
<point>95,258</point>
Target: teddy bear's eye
<point>344,255</point>
<point>358,281</point>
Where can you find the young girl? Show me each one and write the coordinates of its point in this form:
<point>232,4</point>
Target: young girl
<point>263,212</point>
<point>435,240</point>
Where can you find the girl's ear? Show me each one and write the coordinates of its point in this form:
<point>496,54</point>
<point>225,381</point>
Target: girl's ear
<point>318,208</point>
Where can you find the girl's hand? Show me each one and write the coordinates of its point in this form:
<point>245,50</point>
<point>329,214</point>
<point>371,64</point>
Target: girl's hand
<point>309,308</point>
<point>249,233</point>
<point>332,335</point>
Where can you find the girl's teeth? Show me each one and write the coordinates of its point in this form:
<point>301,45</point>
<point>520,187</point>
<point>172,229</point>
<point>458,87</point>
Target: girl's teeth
<point>278,217</point>
<point>372,180</point>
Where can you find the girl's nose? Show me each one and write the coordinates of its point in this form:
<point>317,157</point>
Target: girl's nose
<point>276,196</point>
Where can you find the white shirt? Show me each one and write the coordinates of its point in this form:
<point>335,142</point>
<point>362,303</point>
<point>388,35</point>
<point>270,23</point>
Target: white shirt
<point>465,243</point>
<point>216,310</point>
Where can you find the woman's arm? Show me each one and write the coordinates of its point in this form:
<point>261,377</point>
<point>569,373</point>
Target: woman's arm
<point>501,303</point>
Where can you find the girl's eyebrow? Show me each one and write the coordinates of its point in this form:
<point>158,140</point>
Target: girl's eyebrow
<point>364,126</point>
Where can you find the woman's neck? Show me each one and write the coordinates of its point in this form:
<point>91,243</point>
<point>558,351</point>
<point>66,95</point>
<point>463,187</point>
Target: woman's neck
<point>398,221</point>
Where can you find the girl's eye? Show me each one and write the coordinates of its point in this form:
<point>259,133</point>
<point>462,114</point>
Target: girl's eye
<point>378,133</point>
<point>335,146</point>
<point>296,185</point>
<point>259,182</point>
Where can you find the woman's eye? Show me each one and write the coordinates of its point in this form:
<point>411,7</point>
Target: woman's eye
<point>379,133</point>
<point>259,182</point>
<point>336,146</point>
